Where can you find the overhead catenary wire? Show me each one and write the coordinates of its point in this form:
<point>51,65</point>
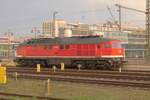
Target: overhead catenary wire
<point>127,8</point>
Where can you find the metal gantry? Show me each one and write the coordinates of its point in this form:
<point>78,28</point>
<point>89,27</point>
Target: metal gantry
<point>35,30</point>
<point>127,8</point>
<point>54,33</point>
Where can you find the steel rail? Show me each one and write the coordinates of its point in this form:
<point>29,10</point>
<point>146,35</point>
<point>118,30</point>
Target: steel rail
<point>28,96</point>
<point>84,71</point>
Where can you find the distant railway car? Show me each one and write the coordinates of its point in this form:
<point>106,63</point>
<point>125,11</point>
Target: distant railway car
<point>88,52</point>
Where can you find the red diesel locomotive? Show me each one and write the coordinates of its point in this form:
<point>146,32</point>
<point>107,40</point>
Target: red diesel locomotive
<point>89,52</point>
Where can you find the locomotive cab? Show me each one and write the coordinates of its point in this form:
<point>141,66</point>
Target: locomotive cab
<point>117,53</point>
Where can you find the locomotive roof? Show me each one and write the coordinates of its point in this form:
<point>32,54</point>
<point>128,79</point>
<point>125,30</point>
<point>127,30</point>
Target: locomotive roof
<point>68,40</point>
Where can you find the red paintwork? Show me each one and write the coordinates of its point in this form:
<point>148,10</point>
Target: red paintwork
<point>76,50</point>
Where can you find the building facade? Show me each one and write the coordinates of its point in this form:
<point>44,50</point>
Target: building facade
<point>52,30</point>
<point>136,47</point>
<point>7,47</point>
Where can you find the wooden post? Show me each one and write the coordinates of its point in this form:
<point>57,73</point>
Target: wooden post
<point>16,76</point>
<point>54,68</point>
<point>120,69</point>
<point>38,67</point>
<point>48,87</point>
<point>79,67</point>
<point>62,66</point>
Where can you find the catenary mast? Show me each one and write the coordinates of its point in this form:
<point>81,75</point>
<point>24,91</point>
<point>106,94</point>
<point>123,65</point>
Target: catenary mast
<point>148,28</point>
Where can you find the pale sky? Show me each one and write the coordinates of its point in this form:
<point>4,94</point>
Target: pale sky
<point>20,16</point>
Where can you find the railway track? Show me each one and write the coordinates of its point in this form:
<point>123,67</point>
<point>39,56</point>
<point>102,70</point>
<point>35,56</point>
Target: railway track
<point>102,74</point>
<point>87,80</point>
<point>128,72</point>
<point>134,79</point>
<point>4,96</point>
<point>89,75</point>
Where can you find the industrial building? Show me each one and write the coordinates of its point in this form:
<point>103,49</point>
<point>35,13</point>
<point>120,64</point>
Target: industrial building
<point>49,28</point>
<point>136,47</point>
<point>7,47</point>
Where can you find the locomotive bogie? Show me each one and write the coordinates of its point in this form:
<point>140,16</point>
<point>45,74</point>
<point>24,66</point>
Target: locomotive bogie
<point>86,63</point>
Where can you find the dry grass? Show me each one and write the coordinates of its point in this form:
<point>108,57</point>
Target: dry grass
<point>75,91</point>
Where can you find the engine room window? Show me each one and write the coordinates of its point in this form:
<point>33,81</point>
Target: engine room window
<point>62,47</point>
<point>50,47</point>
<point>45,47</point>
<point>98,46</point>
<point>106,45</point>
<point>67,47</point>
<point>35,46</point>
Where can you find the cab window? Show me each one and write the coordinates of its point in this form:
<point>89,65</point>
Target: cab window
<point>116,44</point>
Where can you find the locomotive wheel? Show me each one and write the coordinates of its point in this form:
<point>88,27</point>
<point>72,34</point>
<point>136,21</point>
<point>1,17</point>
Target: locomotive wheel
<point>43,64</point>
<point>23,64</point>
<point>73,65</point>
<point>108,66</point>
<point>91,65</point>
<point>77,64</point>
<point>81,65</point>
<point>103,66</point>
<point>100,65</point>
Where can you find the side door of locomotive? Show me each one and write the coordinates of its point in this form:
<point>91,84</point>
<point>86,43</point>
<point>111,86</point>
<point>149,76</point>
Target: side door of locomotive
<point>106,49</point>
<point>98,50</point>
